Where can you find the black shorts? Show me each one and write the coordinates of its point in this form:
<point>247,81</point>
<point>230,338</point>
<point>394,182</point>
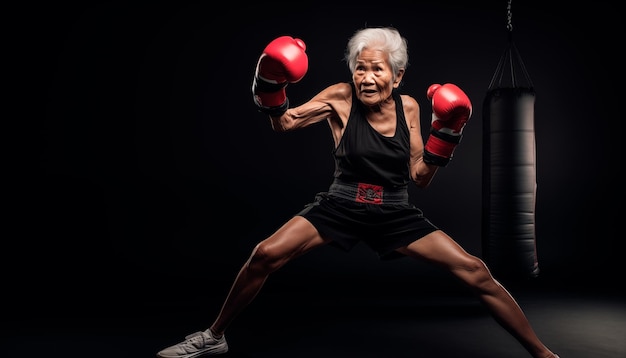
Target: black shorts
<point>383,227</point>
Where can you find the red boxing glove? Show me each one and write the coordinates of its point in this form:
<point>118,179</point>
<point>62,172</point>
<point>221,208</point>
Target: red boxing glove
<point>283,61</point>
<point>451,111</point>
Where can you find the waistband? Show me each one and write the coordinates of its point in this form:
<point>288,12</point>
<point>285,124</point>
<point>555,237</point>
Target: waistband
<point>368,193</point>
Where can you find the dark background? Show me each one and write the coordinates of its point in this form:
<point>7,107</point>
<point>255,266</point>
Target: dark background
<point>145,174</point>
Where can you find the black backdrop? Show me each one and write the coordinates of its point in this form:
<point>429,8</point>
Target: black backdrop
<point>144,165</point>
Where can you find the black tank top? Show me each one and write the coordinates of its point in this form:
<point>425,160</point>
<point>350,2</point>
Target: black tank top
<point>366,156</point>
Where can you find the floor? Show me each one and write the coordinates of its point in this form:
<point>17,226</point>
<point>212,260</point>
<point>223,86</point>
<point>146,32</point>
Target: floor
<point>332,319</point>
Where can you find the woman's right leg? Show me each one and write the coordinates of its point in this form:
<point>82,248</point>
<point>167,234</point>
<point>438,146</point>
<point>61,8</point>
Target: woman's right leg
<point>293,239</point>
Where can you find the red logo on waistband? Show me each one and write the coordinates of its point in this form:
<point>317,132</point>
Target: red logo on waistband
<point>369,193</point>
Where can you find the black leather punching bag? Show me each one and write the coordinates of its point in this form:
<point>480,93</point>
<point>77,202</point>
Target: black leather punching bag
<point>509,182</point>
<point>509,172</point>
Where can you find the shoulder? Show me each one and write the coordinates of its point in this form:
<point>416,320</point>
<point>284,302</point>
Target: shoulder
<point>409,103</point>
<point>411,112</point>
<point>336,95</point>
<point>341,90</point>
<point>344,88</point>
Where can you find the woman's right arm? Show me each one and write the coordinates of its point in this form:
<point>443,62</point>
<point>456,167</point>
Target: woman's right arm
<point>331,103</point>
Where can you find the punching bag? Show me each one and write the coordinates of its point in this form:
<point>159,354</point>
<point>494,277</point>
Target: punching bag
<point>509,182</point>
<point>509,173</point>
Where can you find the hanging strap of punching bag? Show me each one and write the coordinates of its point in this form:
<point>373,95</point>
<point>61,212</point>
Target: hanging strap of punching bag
<point>510,60</point>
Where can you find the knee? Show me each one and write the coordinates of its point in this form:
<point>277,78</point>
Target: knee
<point>265,259</point>
<point>475,273</point>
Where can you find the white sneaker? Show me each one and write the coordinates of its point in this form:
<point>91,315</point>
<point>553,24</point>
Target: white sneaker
<point>199,344</point>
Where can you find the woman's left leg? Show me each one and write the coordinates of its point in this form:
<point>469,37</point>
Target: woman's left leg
<point>440,249</point>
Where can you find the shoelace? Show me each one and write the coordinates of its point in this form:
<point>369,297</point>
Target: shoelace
<point>195,340</point>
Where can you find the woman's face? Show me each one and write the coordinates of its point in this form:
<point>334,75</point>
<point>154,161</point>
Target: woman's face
<point>373,77</point>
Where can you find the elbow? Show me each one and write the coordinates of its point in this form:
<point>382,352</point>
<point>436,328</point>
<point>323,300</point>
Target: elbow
<point>278,129</point>
<point>423,179</point>
<point>278,125</point>
<point>283,123</point>
<point>421,183</point>
<point>422,174</point>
